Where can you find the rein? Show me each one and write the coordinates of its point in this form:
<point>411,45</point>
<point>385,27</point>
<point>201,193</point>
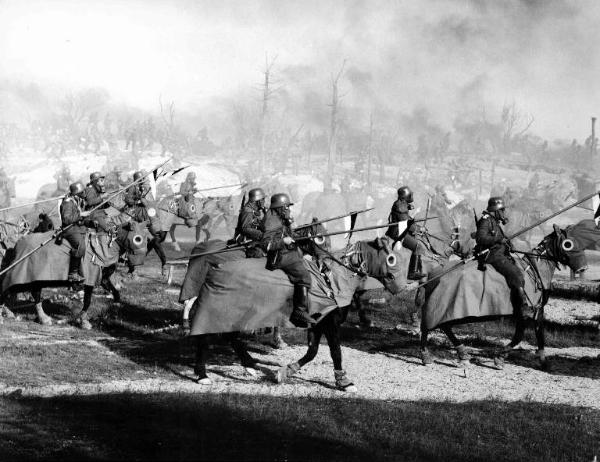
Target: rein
<point>359,271</point>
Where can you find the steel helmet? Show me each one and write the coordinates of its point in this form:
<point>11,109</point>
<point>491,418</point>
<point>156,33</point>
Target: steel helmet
<point>256,194</point>
<point>76,188</point>
<point>138,175</point>
<point>280,200</point>
<point>495,204</point>
<point>96,176</point>
<point>405,194</point>
<point>191,176</point>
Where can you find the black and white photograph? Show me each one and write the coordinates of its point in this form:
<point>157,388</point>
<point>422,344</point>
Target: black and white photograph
<point>300,230</point>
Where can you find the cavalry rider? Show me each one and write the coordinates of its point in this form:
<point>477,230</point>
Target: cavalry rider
<point>71,214</point>
<point>188,187</point>
<point>283,254</point>
<point>489,235</point>
<point>95,194</point>
<point>250,225</point>
<point>139,197</point>
<point>399,212</point>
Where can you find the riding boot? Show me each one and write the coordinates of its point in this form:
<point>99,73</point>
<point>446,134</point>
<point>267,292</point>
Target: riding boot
<point>74,270</point>
<point>299,316</point>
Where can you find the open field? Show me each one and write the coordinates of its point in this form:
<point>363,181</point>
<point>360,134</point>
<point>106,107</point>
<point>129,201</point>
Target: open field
<point>125,389</point>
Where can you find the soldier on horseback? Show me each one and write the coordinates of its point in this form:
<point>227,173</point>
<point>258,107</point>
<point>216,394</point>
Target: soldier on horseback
<point>489,235</point>
<point>282,253</point>
<point>94,195</point>
<point>71,214</point>
<point>138,198</point>
<point>188,187</point>
<point>399,212</point>
<point>250,225</point>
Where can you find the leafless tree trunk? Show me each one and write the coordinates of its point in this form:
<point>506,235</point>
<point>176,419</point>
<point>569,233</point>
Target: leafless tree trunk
<point>334,123</point>
<point>267,94</point>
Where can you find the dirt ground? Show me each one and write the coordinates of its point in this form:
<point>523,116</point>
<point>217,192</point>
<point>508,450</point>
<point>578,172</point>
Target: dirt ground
<point>137,348</point>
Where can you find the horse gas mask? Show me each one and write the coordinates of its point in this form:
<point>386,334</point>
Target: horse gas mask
<point>570,251</point>
<point>136,244</point>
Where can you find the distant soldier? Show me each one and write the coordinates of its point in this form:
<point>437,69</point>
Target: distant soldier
<point>188,187</point>
<point>283,254</point>
<point>399,212</point>
<point>250,225</point>
<point>71,214</point>
<point>490,236</point>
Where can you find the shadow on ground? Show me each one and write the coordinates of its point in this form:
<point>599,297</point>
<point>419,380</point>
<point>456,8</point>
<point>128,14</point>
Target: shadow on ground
<point>244,427</point>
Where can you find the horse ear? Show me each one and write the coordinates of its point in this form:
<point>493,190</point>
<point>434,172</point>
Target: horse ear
<point>379,244</point>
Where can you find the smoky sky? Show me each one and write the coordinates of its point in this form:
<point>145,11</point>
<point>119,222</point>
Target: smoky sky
<point>447,58</point>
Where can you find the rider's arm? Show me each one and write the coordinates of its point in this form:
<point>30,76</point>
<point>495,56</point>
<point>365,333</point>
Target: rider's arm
<point>273,236</point>
<point>486,236</point>
<point>69,213</point>
<point>247,226</point>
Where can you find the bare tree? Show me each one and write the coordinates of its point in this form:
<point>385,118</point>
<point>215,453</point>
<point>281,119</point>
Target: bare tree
<point>267,94</point>
<point>167,116</point>
<point>335,98</point>
<point>514,125</point>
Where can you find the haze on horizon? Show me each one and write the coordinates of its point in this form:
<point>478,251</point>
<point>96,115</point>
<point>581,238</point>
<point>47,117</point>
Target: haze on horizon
<point>449,57</point>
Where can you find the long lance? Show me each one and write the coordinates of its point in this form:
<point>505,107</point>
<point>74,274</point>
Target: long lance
<point>512,236</point>
<point>210,189</point>
<point>229,248</point>
<point>241,245</point>
<point>12,207</point>
<point>61,230</point>
<point>368,228</point>
<point>308,225</point>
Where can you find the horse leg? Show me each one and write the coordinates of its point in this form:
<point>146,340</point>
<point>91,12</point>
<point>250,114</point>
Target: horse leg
<point>500,357</point>
<point>426,356</point>
<point>332,333</point>
<point>541,341</point>
<point>185,321</point>
<point>314,338</point>
<point>277,340</point>
<point>82,320</point>
<point>463,355</point>
<point>173,240</point>
<point>241,350</point>
<point>107,283</point>
<point>201,360</point>
<point>42,317</point>
<point>154,244</point>
<point>8,299</point>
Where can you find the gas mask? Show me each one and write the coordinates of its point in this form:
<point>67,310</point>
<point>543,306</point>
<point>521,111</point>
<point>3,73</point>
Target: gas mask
<point>500,215</point>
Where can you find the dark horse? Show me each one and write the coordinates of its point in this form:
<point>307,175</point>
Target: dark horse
<point>469,295</point>
<point>99,263</point>
<point>345,271</point>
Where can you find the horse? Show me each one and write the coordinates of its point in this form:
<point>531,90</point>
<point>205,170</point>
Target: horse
<point>468,294</point>
<point>201,214</point>
<point>49,265</point>
<point>250,297</point>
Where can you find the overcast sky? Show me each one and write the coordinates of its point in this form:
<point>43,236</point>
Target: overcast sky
<point>450,57</point>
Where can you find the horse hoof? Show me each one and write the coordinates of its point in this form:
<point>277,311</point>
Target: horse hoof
<point>83,322</point>
<point>426,358</point>
<point>176,247</point>
<point>498,363</point>
<point>203,381</point>
<point>545,366</point>
<point>9,314</point>
<point>251,371</point>
<point>349,389</point>
<point>279,344</point>
<point>45,320</point>
<point>281,375</point>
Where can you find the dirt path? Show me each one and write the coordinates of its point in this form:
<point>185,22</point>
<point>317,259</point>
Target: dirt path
<point>386,370</point>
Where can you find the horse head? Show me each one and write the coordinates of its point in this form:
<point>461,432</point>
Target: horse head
<point>378,260</point>
<point>189,212</point>
<point>563,246</point>
<point>133,242</point>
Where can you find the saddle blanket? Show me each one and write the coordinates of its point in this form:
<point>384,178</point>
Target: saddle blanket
<point>242,295</point>
<point>50,263</point>
<point>470,293</point>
